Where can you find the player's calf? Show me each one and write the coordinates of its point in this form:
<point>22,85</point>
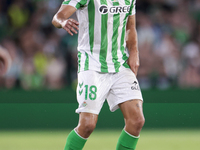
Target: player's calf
<point>134,121</point>
<point>78,137</point>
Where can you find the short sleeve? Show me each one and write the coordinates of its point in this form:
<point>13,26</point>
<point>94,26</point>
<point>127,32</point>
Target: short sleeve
<point>132,8</point>
<point>75,3</point>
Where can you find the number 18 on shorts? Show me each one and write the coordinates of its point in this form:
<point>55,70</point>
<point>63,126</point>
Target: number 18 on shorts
<point>94,88</point>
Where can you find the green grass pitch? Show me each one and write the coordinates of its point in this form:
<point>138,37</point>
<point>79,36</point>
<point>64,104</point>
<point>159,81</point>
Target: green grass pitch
<point>183,139</point>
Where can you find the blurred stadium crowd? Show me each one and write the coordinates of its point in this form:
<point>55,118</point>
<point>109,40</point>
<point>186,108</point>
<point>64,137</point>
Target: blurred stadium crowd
<point>45,57</point>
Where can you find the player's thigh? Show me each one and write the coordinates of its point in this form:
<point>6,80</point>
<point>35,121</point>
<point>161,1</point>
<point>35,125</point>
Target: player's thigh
<point>92,90</point>
<point>125,87</point>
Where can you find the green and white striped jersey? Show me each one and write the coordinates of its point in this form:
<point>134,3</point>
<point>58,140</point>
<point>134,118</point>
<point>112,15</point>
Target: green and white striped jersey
<point>101,39</point>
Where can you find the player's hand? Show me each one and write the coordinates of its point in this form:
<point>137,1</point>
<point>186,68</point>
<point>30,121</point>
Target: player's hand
<point>5,61</point>
<point>70,25</point>
<point>133,61</point>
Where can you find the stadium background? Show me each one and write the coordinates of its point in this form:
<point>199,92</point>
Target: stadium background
<point>37,96</point>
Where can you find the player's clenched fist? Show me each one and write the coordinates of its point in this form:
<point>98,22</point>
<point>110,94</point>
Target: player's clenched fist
<point>70,25</point>
<point>5,61</point>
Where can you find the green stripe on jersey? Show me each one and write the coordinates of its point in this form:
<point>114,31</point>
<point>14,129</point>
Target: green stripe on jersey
<point>116,23</point>
<point>131,8</point>
<point>86,62</point>
<point>66,2</point>
<point>127,2</point>
<point>78,5</point>
<point>91,17</point>
<point>79,61</point>
<point>122,48</point>
<point>104,40</point>
<point>81,4</point>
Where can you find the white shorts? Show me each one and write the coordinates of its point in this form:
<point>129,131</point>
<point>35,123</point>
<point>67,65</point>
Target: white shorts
<point>95,87</point>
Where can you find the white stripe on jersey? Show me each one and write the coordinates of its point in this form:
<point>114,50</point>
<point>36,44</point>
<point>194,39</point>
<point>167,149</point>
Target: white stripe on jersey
<point>111,67</point>
<point>119,53</point>
<point>97,39</point>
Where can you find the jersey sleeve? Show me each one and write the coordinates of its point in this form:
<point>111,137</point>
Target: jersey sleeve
<point>75,3</point>
<point>132,8</point>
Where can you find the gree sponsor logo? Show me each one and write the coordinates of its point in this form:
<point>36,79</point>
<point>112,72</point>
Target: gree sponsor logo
<point>103,9</point>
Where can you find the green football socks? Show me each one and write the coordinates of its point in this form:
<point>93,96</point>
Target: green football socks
<point>74,141</point>
<point>126,141</point>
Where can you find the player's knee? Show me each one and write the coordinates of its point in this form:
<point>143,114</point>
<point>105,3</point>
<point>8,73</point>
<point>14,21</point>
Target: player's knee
<point>89,127</point>
<point>136,123</point>
<point>140,122</point>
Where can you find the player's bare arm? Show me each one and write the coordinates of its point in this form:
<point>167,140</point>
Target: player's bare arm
<point>61,19</point>
<point>132,44</point>
<point>5,61</point>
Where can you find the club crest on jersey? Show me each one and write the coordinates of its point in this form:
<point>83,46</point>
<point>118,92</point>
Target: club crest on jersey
<point>104,9</point>
<point>84,104</point>
<point>114,0</point>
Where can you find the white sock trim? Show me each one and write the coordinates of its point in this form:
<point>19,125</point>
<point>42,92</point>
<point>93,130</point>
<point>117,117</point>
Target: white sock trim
<point>132,135</point>
<point>80,136</point>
